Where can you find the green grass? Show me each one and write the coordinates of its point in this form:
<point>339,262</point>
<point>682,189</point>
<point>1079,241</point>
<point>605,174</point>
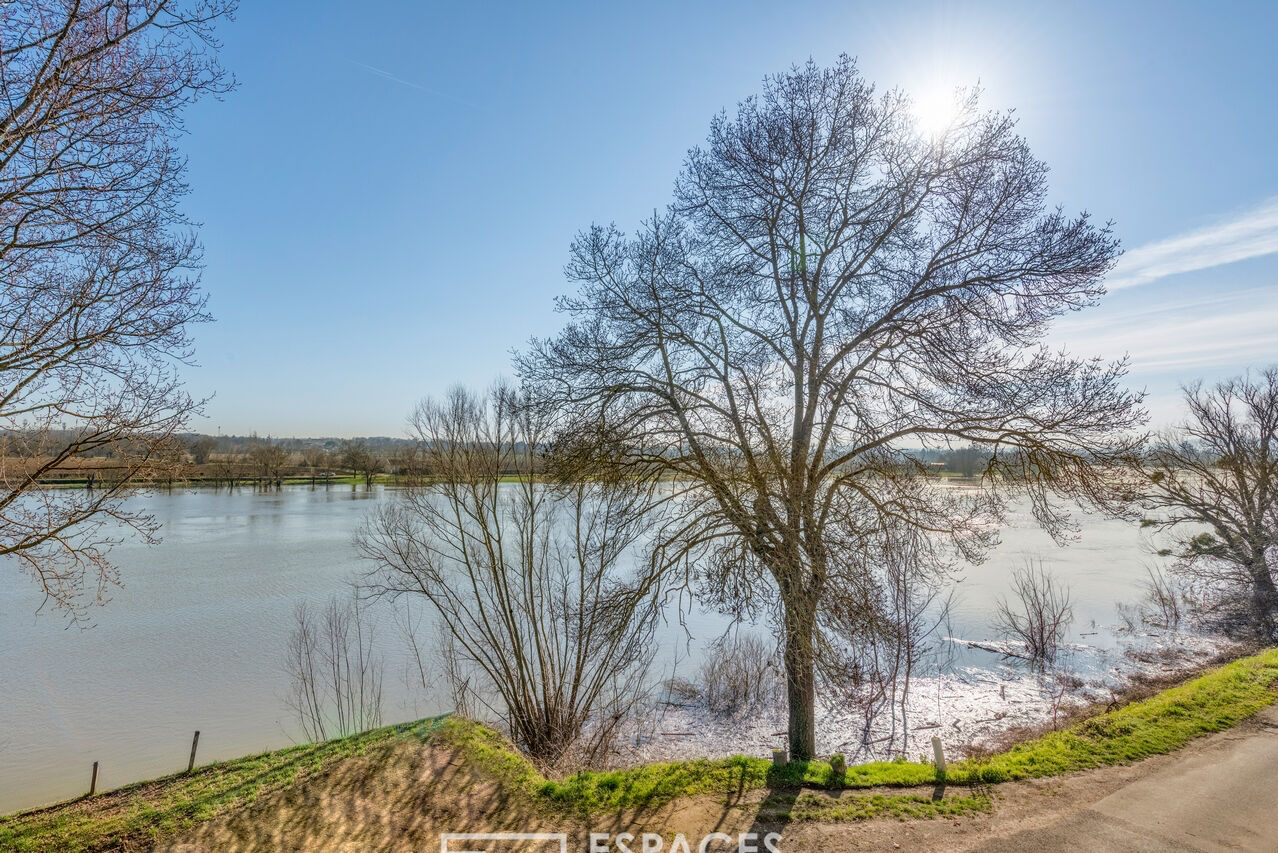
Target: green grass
<point>1160,724</point>
<point>652,784</point>
<point>140,813</point>
<point>596,792</point>
<point>825,809</point>
<point>593,792</point>
<point>1163,723</point>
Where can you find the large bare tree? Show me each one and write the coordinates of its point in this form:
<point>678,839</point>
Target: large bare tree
<point>98,264</point>
<point>1211,485</point>
<point>828,289</point>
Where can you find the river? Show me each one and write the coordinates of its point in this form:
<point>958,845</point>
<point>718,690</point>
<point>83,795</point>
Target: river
<point>195,637</point>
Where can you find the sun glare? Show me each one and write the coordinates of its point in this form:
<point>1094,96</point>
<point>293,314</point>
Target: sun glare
<point>935,107</point>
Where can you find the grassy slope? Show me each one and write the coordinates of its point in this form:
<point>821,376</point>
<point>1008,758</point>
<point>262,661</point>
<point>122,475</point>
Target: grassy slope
<point>1162,723</point>
<point>149,810</point>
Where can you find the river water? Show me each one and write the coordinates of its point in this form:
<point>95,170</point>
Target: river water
<point>195,638</point>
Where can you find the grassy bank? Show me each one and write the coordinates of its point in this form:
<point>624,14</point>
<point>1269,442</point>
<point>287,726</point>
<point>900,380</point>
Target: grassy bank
<point>139,813</point>
<point>1159,724</point>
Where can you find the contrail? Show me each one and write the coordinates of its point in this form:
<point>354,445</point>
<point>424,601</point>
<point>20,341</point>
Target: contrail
<point>400,80</point>
<point>1249,235</point>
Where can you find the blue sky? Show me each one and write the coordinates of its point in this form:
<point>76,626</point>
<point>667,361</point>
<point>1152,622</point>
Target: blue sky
<point>388,197</point>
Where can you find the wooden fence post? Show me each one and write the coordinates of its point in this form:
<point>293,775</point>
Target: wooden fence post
<point>195,741</point>
<point>93,783</point>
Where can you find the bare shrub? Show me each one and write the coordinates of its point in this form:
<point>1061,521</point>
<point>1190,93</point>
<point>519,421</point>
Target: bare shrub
<point>1163,599</point>
<point>1163,604</point>
<point>417,674</point>
<point>335,676</point>
<point>460,679</point>
<point>548,623</point>
<point>1221,607</point>
<point>1130,616</point>
<point>682,691</point>
<point>1038,615</point>
<point>881,628</point>
<point>741,673</point>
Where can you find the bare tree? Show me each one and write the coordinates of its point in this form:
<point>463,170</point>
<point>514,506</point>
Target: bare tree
<point>1038,614</point>
<point>740,673</point>
<point>99,266</point>
<point>315,457</point>
<point>335,675</point>
<point>318,460</point>
<point>268,459</point>
<point>168,461</point>
<point>409,465</point>
<point>531,579</point>
<point>828,289</point>
<point>361,461</point>
<point>227,468</point>
<point>1211,487</point>
<point>202,448</point>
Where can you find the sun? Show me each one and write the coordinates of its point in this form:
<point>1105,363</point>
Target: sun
<point>935,106</point>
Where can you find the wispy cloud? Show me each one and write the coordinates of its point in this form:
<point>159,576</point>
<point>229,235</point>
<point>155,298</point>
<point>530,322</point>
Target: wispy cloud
<point>1223,329</point>
<point>1250,234</point>
<point>386,75</point>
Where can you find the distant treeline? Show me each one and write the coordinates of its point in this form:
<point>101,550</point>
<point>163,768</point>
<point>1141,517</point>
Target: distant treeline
<point>245,459</point>
<point>198,458</point>
<point>19,443</point>
<point>195,458</point>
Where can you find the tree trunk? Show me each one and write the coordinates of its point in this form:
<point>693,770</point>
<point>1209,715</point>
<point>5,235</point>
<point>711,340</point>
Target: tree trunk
<point>800,678</point>
<point>1264,599</point>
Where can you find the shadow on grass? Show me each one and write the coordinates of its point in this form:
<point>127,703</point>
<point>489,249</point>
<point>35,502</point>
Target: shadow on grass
<point>392,794</point>
<point>666,811</point>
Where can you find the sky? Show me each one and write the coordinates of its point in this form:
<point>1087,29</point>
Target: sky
<point>388,197</point>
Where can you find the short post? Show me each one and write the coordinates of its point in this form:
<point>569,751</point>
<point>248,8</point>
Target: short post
<point>939,754</point>
<point>195,741</point>
<point>780,757</point>
<point>93,782</point>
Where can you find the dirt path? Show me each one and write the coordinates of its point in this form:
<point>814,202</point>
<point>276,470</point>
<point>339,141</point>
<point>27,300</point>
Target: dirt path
<point>1220,792</point>
<point>1222,797</point>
